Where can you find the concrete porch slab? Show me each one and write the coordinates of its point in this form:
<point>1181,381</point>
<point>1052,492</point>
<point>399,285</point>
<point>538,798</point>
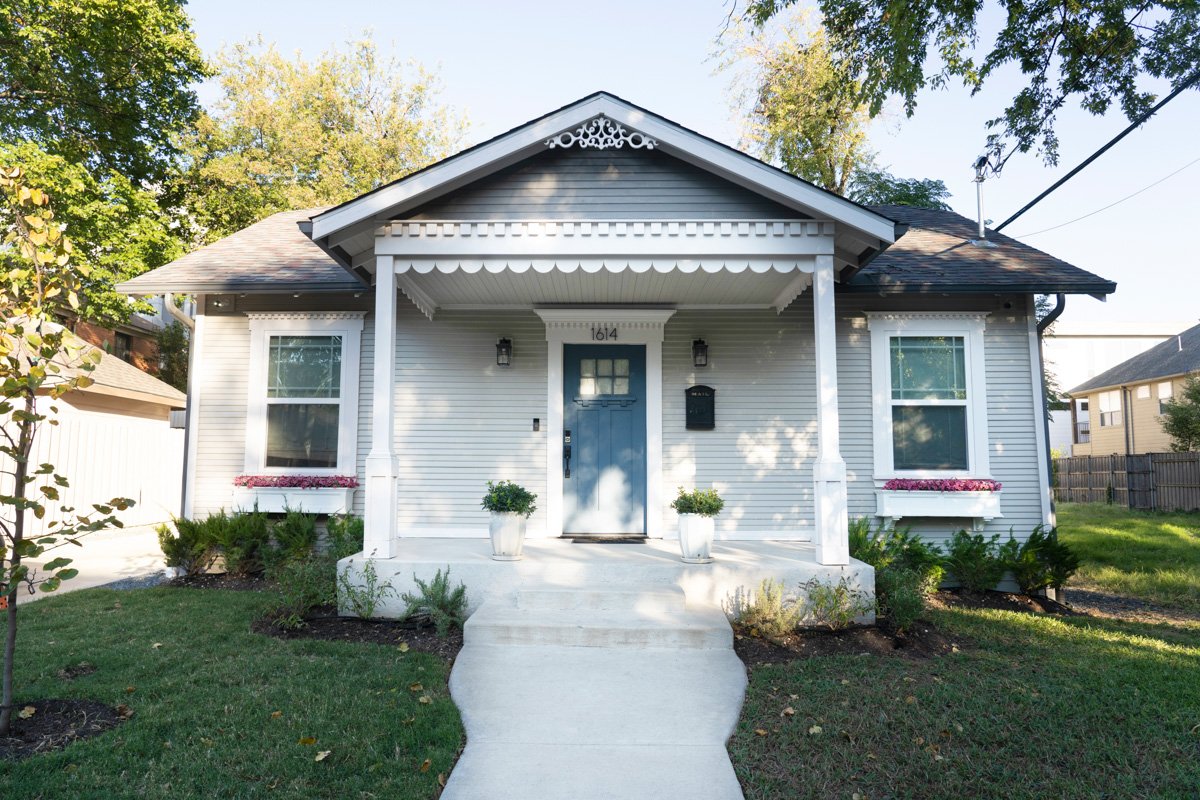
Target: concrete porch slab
<point>561,564</point>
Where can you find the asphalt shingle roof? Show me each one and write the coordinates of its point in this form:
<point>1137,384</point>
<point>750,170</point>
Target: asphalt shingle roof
<point>270,255</point>
<point>1179,355</point>
<point>936,255</point>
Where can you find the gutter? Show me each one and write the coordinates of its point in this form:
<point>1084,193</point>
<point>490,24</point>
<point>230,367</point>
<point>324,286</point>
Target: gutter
<point>174,313</point>
<point>1060,305</point>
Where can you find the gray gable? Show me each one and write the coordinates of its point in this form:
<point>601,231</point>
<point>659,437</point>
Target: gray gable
<point>579,183</point>
<point>1178,355</point>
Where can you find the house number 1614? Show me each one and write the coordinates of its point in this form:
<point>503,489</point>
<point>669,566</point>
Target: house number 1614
<point>604,334</point>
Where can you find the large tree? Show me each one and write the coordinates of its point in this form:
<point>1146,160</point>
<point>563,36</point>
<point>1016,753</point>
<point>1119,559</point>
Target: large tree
<point>102,83</point>
<point>288,133</point>
<point>804,113</point>
<point>1094,52</point>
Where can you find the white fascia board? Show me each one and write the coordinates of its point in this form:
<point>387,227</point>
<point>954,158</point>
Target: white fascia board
<point>690,147</point>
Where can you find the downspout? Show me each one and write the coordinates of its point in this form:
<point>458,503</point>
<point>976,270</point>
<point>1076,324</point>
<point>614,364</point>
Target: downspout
<point>172,311</point>
<point>1060,305</point>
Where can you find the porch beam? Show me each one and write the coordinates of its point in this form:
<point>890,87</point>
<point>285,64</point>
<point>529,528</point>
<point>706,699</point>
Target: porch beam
<point>829,473</point>
<point>382,465</point>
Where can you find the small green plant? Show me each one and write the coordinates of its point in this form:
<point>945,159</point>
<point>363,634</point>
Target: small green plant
<point>900,595</point>
<point>975,561</point>
<point>835,605</point>
<point>437,603</point>
<point>901,549</point>
<point>344,535</point>
<point>241,540</point>
<point>768,613</point>
<point>508,497</point>
<point>304,584</point>
<point>363,598</point>
<point>868,544</point>
<point>705,502</point>
<point>188,548</point>
<point>294,537</point>
<point>1041,561</point>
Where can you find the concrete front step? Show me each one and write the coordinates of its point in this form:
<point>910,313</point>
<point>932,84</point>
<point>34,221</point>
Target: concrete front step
<point>664,598</point>
<point>508,624</point>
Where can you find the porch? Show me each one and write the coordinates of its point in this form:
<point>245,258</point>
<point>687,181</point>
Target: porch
<point>559,564</point>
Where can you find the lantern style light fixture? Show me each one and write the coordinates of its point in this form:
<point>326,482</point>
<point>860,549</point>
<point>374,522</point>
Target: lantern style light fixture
<point>504,353</point>
<point>699,353</point>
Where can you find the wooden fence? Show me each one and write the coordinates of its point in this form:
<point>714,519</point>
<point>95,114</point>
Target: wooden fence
<point>1151,481</point>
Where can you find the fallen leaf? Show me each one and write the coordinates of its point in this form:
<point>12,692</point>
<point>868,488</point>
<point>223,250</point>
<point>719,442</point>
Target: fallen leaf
<point>442,779</point>
<point>788,712</point>
<point>403,648</point>
<point>425,699</point>
<point>845,682</point>
<point>815,730</point>
<point>26,712</point>
<point>415,687</point>
<point>760,731</point>
<point>910,700</point>
<point>958,727</point>
<point>425,765</point>
<point>276,714</point>
<point>156,646</point>
<point>321,756</point>
<point>307,740</point>
<point>124,711</point>
<point>793,697</point>
<point>130,689</point>
<point>408,721</point>
<point>206,741</point>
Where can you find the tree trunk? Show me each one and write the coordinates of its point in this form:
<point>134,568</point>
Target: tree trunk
<point>10,639</point>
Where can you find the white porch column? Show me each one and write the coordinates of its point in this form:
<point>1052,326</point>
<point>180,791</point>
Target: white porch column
<point>829,473</point>
<point>382,466</point>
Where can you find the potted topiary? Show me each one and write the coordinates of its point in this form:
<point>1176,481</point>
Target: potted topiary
<point>510,504</point>
<point>696,524</point>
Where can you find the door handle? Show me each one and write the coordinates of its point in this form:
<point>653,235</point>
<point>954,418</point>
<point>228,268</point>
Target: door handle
<point>566,454</point>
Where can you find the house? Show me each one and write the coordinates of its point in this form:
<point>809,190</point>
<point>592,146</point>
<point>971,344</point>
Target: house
<point>1124,404</point>
<point>114,438</point>
<point>603,305</point>
<point>1075,352</point>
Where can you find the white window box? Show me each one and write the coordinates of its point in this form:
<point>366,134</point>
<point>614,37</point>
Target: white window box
<point>275,500</point>
<point>976,506</point>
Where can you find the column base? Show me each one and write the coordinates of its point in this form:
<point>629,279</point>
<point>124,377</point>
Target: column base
<point>379,519</point>
<point>830,512</point>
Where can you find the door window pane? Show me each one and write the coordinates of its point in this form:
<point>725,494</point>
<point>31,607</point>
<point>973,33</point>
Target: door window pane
<point>603,376</point>
<point>621,367</point>
<point>587,367</point>
<point>604,366</point>
<point>929,437</point>
<point>928,368</point>
<point>304,366</point>
<point>620,385</point>
<point>302,435</point>
<point>604,385</point>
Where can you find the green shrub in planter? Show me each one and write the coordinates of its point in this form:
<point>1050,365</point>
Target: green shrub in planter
<point>868,544</point>
<point>241,540</point>
<point>437,603</point>
<point>303,584</point>
<point>704,502</point>
<point>509,497</point>
<point>187,548</point>
<point>900,595</point>
<point>1041,561</point>
<point>835,605</point>
<point>344,535</point>
<point>975,561</point>
<point>293,538</point>
<point>768,614</point>
<point>901,549</point>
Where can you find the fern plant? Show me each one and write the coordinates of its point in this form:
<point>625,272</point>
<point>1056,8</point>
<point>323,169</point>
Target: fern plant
<point>437,603</point>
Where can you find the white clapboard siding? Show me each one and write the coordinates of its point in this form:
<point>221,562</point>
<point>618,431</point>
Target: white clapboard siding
<point>602,184</point>
<point>105,455</point>
<point>761,452</point>
<point>220,446</point>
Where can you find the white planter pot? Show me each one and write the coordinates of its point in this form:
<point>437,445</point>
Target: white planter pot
<point>696,538</point>
<point>508,535</point>
<point>274,500</point>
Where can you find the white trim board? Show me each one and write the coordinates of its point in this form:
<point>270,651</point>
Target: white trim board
<point>573,326</point>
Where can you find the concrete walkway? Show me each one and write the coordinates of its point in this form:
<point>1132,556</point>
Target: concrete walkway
<point>587,694</point>
<point>106,557</point>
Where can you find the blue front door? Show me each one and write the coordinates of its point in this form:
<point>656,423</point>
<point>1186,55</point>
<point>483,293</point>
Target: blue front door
<point>604,399</point>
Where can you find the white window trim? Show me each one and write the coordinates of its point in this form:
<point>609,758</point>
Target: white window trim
<point>968,325</point>
<point>263,326</point>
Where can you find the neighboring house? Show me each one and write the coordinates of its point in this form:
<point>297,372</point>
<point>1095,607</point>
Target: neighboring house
<point>606,272</point>
<point>1079,351</point>
<point>1124,404</point>
<point>114,439</point>
<point>136,340</point>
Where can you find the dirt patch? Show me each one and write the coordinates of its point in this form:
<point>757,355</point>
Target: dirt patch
<point>220,580</point>
<point>1115,606</point>
<point>54,724</point>
<point>325,624</point>
<point>74,671</point>
<point>922,641</point>
<point>1000,601</point>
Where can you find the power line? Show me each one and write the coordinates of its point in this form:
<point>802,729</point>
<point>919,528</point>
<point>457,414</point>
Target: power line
<point>1137,122</point>
<point>1110,205</point>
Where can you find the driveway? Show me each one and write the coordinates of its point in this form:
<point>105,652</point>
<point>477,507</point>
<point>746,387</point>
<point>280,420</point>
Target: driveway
<point>107,556</point>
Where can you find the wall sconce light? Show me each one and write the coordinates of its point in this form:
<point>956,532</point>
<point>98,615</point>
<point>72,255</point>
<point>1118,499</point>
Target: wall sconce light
<point>699,353</point>
<point>504,352</point>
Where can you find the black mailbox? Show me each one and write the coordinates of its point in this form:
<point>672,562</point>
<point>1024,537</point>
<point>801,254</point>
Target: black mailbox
<point>701,412</point>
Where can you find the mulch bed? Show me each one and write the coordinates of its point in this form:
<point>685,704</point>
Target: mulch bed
<point>1114,606</point>
<point>922,641</point>
<point>326,625</point>
<point>56,724</point>
<point>220,580</point>
<point>1000,601</point>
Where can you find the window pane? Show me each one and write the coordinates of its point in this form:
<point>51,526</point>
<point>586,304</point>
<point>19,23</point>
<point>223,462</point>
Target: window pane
<point>604,386</point>
<point>929,437</point>
<point>302,435</point>
<point>620,385</point>
<point>1164,391</point>
<point>587,386</point>
<point>621,367</point>
<point>304,366</point>
<point>587,367</point>
<point>604,366</point>
<point>928,368</point>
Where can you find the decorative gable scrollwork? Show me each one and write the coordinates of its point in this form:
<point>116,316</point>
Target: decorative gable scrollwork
<point>601,133</point>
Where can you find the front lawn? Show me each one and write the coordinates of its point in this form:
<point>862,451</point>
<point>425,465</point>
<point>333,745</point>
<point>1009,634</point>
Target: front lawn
<point>1150,556</point>
<point>220,711</point>
<point>1036,707</point>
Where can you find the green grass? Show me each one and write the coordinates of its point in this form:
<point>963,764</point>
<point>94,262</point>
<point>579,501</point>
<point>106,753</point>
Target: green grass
<point>1038,708</point>
<point>1150,556</point>
<point>203,702</point>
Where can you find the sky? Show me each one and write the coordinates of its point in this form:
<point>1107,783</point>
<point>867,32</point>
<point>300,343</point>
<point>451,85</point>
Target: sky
<point>503,63</point>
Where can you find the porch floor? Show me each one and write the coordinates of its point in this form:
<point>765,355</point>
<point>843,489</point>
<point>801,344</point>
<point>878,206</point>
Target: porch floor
<point>738,566</point>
